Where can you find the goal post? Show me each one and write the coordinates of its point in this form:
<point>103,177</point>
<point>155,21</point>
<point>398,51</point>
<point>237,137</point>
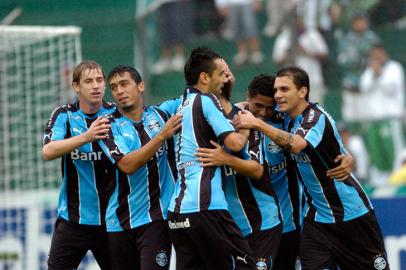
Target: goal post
<point>36,65</point>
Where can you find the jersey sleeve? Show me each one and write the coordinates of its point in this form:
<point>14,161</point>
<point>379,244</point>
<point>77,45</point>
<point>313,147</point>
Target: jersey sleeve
<point>254,146</point>
<point>56,126</point>
<point>312,127</point>
<point>170,107</point>
<point>114,146</point>
<point>215,116</point>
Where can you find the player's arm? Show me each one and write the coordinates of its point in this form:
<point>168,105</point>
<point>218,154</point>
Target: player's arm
<point>343,170</point>
<point>290,142</point>
<point>218,157</point>
<point>138,158</point>
<point>55,149</point>
<point>235,141</point>
<point>222,126</point>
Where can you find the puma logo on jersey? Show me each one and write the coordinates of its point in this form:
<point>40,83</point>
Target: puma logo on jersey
<point>242,259</point>
<point>116,151</point>
<point>77,131</point>
<point>255,154</point>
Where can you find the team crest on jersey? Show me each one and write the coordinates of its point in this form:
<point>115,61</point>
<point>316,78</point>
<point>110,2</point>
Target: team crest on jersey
<point>273,147</point>
<point>154,125</point>
<point>261,264</point>
<point>379,262</point>
<point>161,258</point>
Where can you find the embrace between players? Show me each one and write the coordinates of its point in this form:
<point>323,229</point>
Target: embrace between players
<point>268,186</point>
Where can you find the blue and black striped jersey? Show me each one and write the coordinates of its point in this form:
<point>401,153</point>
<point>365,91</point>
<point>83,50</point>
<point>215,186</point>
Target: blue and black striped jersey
<point>143,196</point>
<point>251,203</point>
<point>199,188</point>
<point>284,178</point>
<point>83,197</point>
<point>329,201</point>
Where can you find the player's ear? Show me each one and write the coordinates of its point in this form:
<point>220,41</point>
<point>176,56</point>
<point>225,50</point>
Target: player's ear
<point>141,87</point>
<point>204,78</point>
<point>303,91</point>
<point>75,86</point>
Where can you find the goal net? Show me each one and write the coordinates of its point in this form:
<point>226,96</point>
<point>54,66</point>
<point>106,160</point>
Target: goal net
<point>36,65</point>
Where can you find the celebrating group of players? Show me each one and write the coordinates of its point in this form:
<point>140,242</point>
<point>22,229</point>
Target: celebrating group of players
<point>266,185</point>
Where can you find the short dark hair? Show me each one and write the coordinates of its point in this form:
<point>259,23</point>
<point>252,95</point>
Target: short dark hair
<point>121,69</point>
<point>200,60</point>
<point>299,77</point>
<point>261,85</point>
<point>378,46</point>
<point>85,65</point>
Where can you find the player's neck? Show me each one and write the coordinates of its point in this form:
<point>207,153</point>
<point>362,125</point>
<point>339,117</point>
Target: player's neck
<point>226,104</point>
<point>298,109</point>
<point>202,88</point>
<point>135,114</point>
<point>89,108</point>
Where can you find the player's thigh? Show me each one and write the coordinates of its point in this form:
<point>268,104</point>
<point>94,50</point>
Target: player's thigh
<point>154,246</point>
<point>187,255</point>
<point>225,244</point>
<point>68,246</point>
<point>314,249</point>
<point>123,250</point>
<point>288,251</point>
<point>264,245</point>
<point>361,245</point>
<point>101,248</point>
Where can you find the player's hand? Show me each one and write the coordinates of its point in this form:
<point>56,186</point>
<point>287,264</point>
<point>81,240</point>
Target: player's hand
<point>342,171</point>
<point>229,75</point>
<point>211,156</point>
<point>98,130</point>
<point>244,119</point>
<point>171,126</point>
<point>224,11</point>
<point>242,105</point>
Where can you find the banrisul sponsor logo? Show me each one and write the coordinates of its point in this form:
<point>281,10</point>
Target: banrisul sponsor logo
<point>91,156</point>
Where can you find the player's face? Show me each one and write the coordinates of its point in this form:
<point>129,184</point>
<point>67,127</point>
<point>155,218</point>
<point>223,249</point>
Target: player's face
<point>261,106</point>
<point>287,96</point>
<point>91,87</point>
<point>217,78</point>
<point>126,92</point>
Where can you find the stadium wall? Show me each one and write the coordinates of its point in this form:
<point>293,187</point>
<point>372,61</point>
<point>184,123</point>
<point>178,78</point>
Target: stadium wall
<point>25,235</point>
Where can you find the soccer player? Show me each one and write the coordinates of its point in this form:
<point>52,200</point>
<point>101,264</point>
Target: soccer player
<point>142,187</point>
<point>203,232</point>
<point>282,168</point>
<point>340,226</point>
<point>249,194</point>
<point>285,182</point>
<point>72,133</point>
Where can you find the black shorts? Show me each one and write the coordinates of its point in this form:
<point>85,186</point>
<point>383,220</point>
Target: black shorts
<point>264,245</point>
<point>71,241</point>
<point>209,240</point>
<point>355,244</point>
<point>147,247</point>
<point>288,251</point>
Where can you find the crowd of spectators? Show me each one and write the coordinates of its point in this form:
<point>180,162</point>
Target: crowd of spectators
<point>330,39</point>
